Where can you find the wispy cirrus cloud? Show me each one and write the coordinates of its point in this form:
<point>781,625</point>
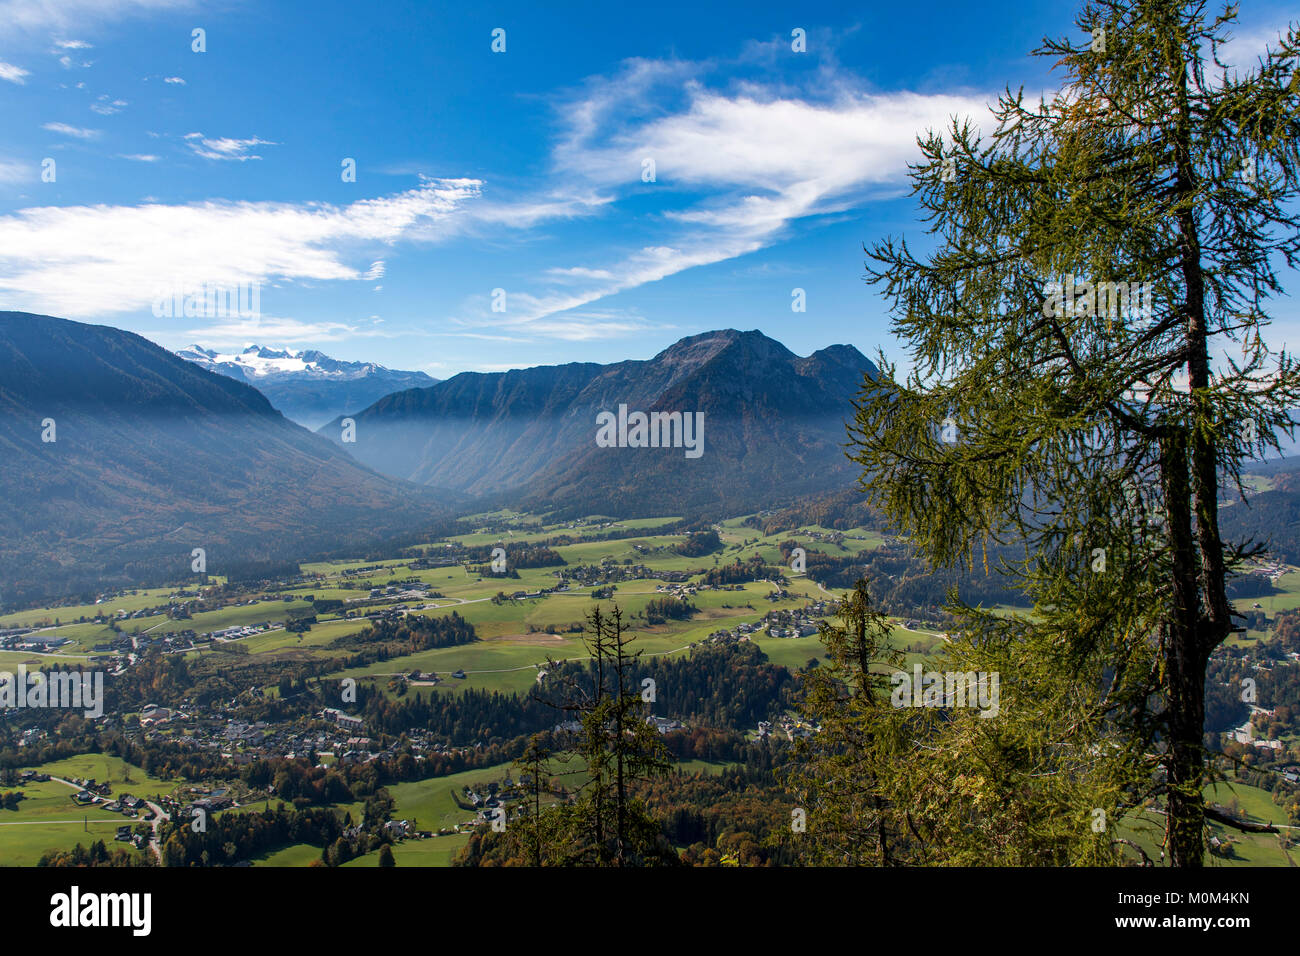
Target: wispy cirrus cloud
<point>55,259</point>
<point>105,106</point>
<point>278,329</point>
<point>42,17</point>
<point>738,164</point>
<point>225,148</point>
<point>77,132</point>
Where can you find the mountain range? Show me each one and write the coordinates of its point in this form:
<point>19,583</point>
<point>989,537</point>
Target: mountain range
<point>773,429</point>
<point>308,386</point>
<point>119,458</point>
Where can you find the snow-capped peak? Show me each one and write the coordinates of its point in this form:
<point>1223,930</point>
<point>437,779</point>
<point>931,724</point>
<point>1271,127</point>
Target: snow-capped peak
<point>257,361</point>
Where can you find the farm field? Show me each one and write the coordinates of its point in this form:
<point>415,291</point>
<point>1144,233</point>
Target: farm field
<point>517,636</point>
<point>1249,849</point>
<point>299,854</point>
<point>435,851</point>
<point>513,640</point>
<point>1287,598</point>
<point>139,600</point>
<point>49,819</point>
<point>465,593</point>
<point>431,804</point>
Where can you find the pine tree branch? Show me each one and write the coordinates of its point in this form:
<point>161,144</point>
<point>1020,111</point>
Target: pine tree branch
<point>1213,813</point>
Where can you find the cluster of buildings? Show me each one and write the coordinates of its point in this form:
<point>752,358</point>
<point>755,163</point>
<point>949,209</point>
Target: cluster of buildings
<point>328,733</point>
<point>129,806</point>
<point>239,631</point>
<point>1269,569</point>
<point>90,792</point>
<point>664,725</point>
<point>791,726</point>
<point>362,571</point>
<point>345,721</point>
<point>611,573</point>
<point>411,589</point>
<point>737,634</point>
<point>28,639</point>
<point>125,615</point>
<point>798,623</point>
<point>154,716</point>
<point>684,590</point>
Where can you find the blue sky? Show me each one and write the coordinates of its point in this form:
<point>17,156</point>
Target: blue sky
<point>477,171</point>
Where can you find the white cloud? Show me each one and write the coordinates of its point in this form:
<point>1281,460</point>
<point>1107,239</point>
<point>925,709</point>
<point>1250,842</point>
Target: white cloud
<point>41,17</point>
<point>71,45</point>
<point>225,147</point>
<point>740,167</point>
<point>483,336</point>
<point>1248,44</point>
<point>141,157</point>
<point>13,74</point>
<point>66,130</point>
<point>288,331</point>
<point>174,79</point>
<point>588,327</point>
<point>59,260</point>
<point>106,107</point>
<point>527,213</point>
<point>580,272</point>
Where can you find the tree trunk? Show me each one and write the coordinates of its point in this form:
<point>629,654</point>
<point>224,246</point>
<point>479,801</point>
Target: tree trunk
<point>1184,664</point>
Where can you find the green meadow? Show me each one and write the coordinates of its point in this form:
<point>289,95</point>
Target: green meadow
<point>48,818</point>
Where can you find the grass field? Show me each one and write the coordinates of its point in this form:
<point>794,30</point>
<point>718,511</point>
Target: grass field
<point>1287,598</point>
<point>435,851</point>
<point>1249,849</point>
<point>430,802</point>
<point>9,660</point>
<point>136,601</point>
<point>298,854</point>
<point>48,819</point>
<point>511,644</point>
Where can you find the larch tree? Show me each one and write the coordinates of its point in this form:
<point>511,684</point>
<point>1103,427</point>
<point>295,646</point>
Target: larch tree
<point>851,810</point>
<point>1088,375</point>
